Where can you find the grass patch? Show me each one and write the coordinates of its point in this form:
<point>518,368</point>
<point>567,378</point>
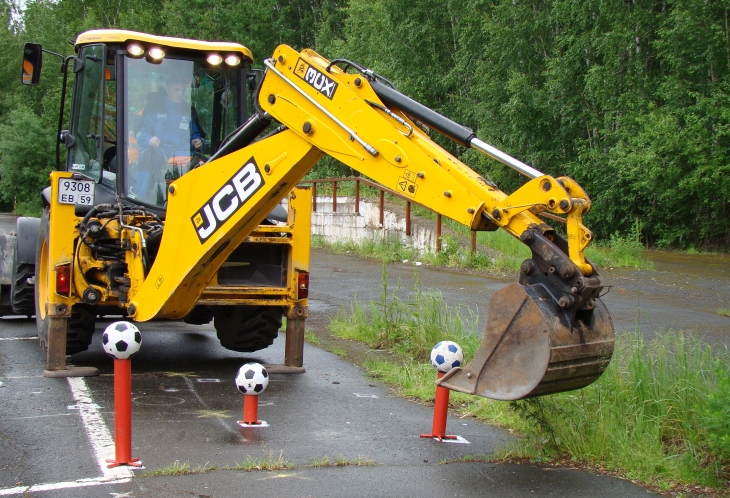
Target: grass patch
<point>311,338</point>
<point>660,413</point>
<point>341,461</point>
<point>267,463</point>
<point>723,312</point>
<point>467,459</point>
<point>497,252</point>
<point>338,351</point>
<point>179,469</point>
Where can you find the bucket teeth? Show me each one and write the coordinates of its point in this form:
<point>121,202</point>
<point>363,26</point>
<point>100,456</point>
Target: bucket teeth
<point>530,349</point>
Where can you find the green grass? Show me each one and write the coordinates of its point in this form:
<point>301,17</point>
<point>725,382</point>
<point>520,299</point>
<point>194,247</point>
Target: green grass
<point>497,252</point>
<point>179,469</point>
<point>311,338</point>
<point>341,461</point>
<point>267,463</point>
<point>724,311</point>
<point>660,413</point>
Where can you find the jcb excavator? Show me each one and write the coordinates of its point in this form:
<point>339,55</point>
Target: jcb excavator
<point>548,333</point>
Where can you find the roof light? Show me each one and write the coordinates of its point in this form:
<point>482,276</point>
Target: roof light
<point>156,53</point>
<point>135,51</point>
<point>214,59</point>
<point>233,60</point>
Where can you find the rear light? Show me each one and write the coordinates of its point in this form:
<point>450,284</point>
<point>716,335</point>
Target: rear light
<point>63,280</point>
<point>302,285</point>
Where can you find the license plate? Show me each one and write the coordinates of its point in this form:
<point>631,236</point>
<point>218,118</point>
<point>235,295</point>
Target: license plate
<point>72,191</point>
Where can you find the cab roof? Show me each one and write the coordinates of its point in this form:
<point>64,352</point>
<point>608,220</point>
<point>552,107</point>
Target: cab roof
<point>121,36</point>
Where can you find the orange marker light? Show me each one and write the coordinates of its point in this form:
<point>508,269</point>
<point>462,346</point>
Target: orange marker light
<point>302,285</point>
<point>63,279</point>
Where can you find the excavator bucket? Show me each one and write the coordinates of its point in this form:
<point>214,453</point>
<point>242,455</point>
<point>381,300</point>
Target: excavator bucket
<point>530,348</point>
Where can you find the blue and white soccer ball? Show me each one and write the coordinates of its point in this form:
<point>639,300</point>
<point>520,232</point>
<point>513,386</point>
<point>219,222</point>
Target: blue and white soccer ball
<point>446,355</point>
<point>121,340</point>
<point>252,378</point>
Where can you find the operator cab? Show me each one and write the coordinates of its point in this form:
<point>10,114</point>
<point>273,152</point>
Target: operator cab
<point>148,109</point>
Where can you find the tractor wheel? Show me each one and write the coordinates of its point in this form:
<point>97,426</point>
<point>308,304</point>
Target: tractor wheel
<point>80,325</point>
<point>22,292</point>
<point>247,328</point>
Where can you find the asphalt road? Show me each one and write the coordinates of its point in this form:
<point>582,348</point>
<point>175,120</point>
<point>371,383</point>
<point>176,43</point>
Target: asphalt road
<point>55,434</point>
<point>185,408</point>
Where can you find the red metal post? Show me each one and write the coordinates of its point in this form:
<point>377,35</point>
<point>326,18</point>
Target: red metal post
<point>250,410</point>
<point>408,217</point>
<point>357,196</point>
<point>314,197</point>
<point>334,197</point>
<point>382,206</point>
<point>440,413</point>
<point>438,232</point>
<point>123,415</point>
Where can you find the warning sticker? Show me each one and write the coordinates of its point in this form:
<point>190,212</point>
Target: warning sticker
<point>407,184</point>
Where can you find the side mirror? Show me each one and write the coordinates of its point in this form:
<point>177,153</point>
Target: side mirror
<point>254,79</point>
<point>32,62</point>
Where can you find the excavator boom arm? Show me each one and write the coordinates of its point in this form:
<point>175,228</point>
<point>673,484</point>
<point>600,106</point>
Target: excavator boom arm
<point>548,333</point>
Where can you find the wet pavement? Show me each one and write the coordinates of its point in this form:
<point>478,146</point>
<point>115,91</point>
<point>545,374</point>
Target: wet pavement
<point>185,409</point>
<point>683,292</point>
<point>185,405</point>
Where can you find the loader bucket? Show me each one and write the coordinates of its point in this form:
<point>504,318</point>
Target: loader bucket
<point>530,349</point>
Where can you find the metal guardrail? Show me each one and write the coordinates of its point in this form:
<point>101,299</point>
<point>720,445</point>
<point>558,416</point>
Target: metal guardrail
<point>383,190</point>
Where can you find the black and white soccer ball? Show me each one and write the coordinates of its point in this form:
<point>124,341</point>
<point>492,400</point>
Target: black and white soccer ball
<point>121,340</point>
<point>446,355</point>
<point>252,378</point>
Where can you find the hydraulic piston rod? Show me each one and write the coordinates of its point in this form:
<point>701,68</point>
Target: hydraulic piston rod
<point>456,132</point>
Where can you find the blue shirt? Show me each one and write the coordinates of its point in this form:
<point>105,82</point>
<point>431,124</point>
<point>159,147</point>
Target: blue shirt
<point>172,123</point>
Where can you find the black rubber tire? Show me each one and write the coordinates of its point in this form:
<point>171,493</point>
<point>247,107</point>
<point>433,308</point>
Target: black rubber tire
<point>80,326</point>
<point>22,294</point>
<point>247,328</point>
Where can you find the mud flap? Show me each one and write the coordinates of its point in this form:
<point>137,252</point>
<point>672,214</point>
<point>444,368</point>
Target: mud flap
<point>530,349</point>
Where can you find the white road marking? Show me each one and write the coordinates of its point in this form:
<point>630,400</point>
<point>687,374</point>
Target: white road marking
<point>18,338</point>
<point>81,483</point>
<point>99,436</point>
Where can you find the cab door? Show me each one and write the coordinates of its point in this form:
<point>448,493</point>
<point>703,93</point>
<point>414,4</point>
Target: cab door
<point>86,146</point>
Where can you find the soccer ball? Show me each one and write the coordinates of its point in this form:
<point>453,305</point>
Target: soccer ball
<point>252,378</point>
<point>446,355</point>
<point>121,340</point>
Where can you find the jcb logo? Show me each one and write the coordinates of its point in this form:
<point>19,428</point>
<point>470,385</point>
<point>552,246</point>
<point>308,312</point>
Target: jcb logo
<point>227,200</point>
<point>316,79</point>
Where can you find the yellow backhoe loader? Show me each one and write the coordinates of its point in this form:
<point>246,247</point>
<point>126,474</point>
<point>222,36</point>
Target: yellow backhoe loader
<point>548,333</point>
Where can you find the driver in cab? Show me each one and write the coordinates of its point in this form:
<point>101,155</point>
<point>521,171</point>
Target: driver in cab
<point>168,124</point>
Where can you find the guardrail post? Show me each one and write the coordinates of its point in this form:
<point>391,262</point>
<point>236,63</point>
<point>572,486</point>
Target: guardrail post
<point>334,197</point>
<point>408,218</point>
<point>382,205</point>
<point>357,196</point>
<point>438,232</point>
<point>473,241</point>
<point>314,197</point>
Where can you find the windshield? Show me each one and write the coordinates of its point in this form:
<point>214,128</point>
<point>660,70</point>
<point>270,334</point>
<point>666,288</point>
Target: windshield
<point>177,114</point>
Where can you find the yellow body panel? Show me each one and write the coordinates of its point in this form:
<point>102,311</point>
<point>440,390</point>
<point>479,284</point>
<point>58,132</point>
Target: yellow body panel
<point>185,264</point>
<point>122,36</point>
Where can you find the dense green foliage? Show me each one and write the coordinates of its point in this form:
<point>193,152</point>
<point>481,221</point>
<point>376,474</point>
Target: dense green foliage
<point>630,98</point>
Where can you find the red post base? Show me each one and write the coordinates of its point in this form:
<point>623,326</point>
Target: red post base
<point>250,410</point>
<point>440,412</point>
<point>123,415</point>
